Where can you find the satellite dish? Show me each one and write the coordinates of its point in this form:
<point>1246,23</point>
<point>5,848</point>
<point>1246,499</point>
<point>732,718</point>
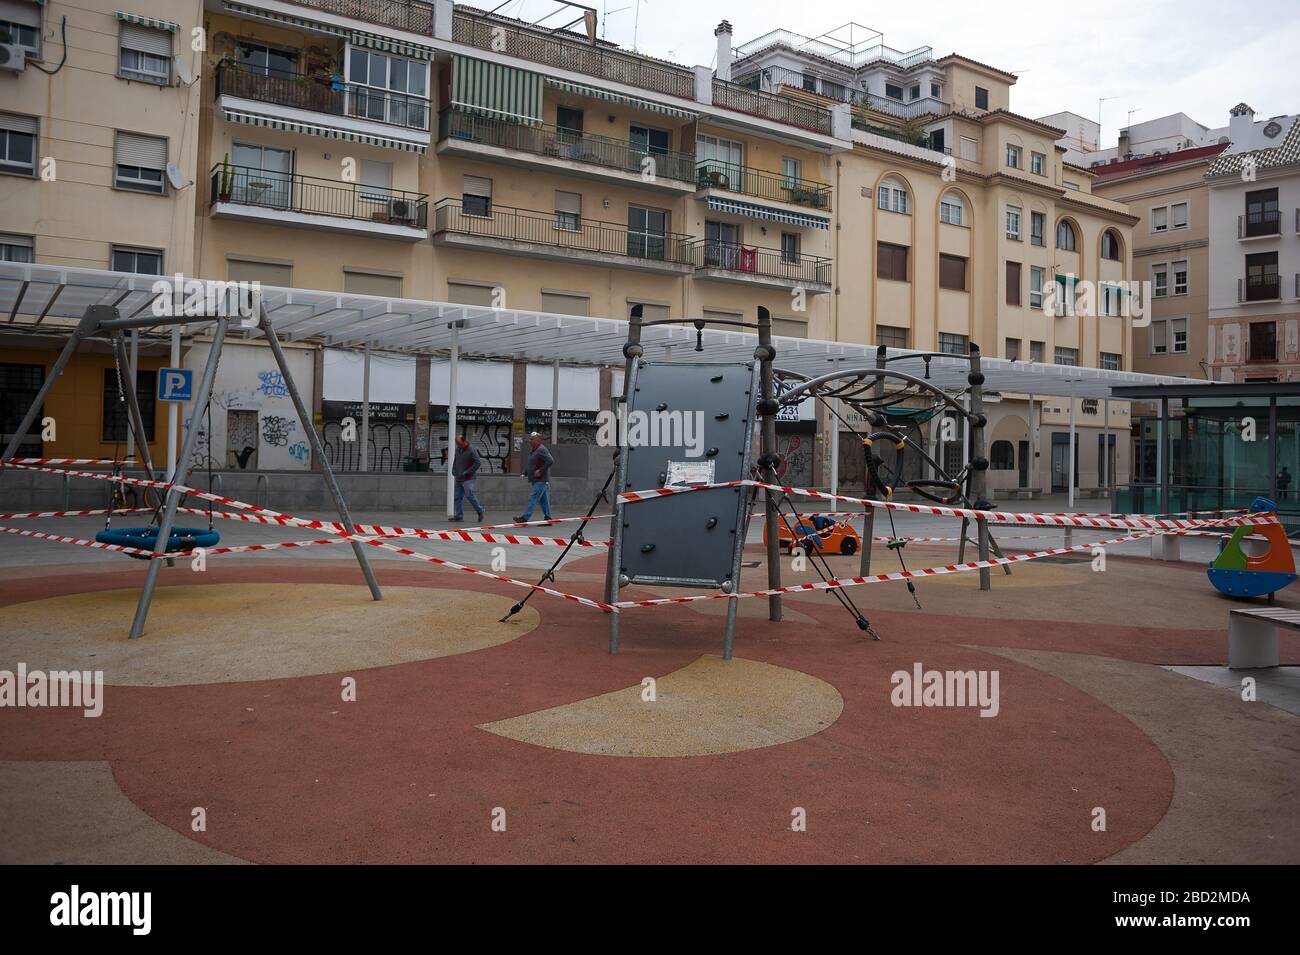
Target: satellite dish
<point>174,176</point>
<point>184,71</point>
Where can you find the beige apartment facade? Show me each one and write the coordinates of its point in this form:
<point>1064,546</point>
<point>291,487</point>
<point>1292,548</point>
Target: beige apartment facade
<point>431,152</point>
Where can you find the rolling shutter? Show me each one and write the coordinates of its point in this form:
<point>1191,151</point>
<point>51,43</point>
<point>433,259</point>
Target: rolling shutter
<point>147,152</point>
<point>146,39</point>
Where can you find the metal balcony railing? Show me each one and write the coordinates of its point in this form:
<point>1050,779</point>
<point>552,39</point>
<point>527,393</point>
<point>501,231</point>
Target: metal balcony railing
<point>560,230</point>
<point>715,174</point>
<point>852,56</point>
<point>1255,224</point>
<point>412,15</point>
<point>568,53</point>
<point>289,192</point>
<point>779,109</point>
<point>772,263</point>
<point>1259,288</point>
<point>322,94</point>
<point>892,107</point>
<point>557,143</point>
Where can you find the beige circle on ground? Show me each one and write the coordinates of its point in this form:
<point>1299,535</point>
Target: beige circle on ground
<point>708,707</point>
<point>232,633</point>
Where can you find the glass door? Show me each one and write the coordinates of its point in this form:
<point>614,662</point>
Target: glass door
<point>263,176</point>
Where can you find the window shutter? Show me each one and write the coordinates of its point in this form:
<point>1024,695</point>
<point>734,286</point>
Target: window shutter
<point>147,152</point>
<point>569,202</point>
<point>651,313</point>
<point>477,186</point>
<point>146,39</point>
<point>268,273</point>
<point>376,174</point>
<point>18,124</point>
<point>1013,283</point>
<point>26,14</point>
<point>466,293</point>
<point>561,304</point>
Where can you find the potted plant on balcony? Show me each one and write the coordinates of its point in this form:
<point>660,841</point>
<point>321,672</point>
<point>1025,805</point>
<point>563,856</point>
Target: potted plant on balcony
<point>225,185</point>
<point>712,178</point>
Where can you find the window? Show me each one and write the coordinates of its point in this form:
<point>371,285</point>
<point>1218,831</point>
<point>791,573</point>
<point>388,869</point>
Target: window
<point>1037,228</point>
<point>1178,215</point>
<point>17,248</point>
<point>1013,223</point>
<point>1159,280</point>
<point>20,24</point>
<point>474,293</point>
<point>1002,456</point>
<point>1067,356</point>
<point>891,261</point>
<point>1159,339</point>
<point>891,337</point>
<point>397,89</point>
<point>1178,327</point>
<point>566,303</point>
<point>568,211</point>
<point>893,91</point>
<point>1263,341</point>
<point>648,139</point>
<point>951,209</point>
<point>647,230</point>
<point>723,161</point>
<point>1110,361</point>
<point>1013,283</point>
<point>790,247</point>
<point>145,54</point>
<point>1160,219</point>
<point>376,179</point>
<point>263,175</point>
<point>892,197</point>
<point>809,82</point>
<point>952,272</point>
<point>1262,214</point>
<point>981,98</point>
<point>267,60</point>
<point>1013,156</point>
<point>139,261</point>
<point>1180,277</point>
<point>359,282</point>
<point>791,173</point>
<point>1035,351</point>
<point>1262,278</point>
<point>114,422</point>
<point>914,92</point>
<point>476,196</point>
<point>17,144</point>
<point>568,119</point>
<point>1110,294</point>
<point>276,274</point>
<point>139,162</point>
<point>1038,164</point>
<point>970,149</point>
<point>1012,350</point>
<point>951,344</point>
<point>1110,245</point>
<point>1065,238</point>
<point>934,90</point>
<point>1035,287</point>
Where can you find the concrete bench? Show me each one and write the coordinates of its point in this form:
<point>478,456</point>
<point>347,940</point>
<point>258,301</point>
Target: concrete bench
<point>1252,636</point>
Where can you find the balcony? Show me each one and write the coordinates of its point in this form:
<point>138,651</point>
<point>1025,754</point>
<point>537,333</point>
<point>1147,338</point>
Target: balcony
<point>715,177</point>
<point>461,133</point>
<point>569,53</point>
<point>306,202</point>
<point>559,238</point>
<point>1263,224</point>
<point>766,268</point>
<point>779,109</point>
<point>1260,288</point>
<point>409,15</point>
<point>299,102</point>
<point>925,106</point>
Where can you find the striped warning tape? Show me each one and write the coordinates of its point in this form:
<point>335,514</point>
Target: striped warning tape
<point>130,462</point>
<point>25,532</point>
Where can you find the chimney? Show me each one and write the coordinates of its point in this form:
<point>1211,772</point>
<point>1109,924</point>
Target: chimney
<point>723,68</point>
<point>1241,123</point>
<point>1122,150</point>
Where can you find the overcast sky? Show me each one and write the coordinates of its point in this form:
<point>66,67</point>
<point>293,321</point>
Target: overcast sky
<point>1153,56</point>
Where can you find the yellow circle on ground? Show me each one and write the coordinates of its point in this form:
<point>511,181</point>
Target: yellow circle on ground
<point>234,633</point>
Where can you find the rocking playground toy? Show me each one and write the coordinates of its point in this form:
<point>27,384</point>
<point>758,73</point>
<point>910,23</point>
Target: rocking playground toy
<point>1237,574</point>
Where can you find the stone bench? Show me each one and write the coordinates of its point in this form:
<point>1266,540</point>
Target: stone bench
<point>1252,636</point>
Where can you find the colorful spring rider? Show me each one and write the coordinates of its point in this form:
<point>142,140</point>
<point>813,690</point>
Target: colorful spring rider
<point>1237,574</point>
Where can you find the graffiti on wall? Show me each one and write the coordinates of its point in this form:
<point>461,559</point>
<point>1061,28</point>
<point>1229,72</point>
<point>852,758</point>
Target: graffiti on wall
<point>795,453</point>
<point>276,429</point>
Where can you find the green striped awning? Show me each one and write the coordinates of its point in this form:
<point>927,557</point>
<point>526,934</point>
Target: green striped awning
<point>635,102</point>
<point>389,45</point>
<point>490,89</point>
<point>273,122</point>
<point>147,21</point>
<point>753,211</point>
<point>273,16</point>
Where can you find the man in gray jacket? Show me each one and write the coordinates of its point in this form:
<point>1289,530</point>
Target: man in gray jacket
<point>464,468</point>
<point>537,469</point>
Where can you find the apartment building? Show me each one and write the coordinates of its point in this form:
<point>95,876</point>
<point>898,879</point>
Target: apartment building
<point>433,151</point>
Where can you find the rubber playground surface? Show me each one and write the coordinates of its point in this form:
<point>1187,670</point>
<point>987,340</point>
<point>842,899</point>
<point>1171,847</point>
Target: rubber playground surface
<point>233,703</point>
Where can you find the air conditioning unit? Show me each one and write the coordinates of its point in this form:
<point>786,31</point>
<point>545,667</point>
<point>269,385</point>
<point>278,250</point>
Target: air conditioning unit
<point>13,57</point>
<point>401,210</point>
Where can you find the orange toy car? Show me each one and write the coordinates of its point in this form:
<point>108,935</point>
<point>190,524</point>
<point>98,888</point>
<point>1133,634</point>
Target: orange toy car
<point>819,532</point>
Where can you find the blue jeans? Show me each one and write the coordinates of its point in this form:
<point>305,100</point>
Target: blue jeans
<point>465,491</point>
<point>540,495</point>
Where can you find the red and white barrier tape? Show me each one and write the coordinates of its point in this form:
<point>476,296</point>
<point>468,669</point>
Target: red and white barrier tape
<point>107,462</point>
<point>24,532</point>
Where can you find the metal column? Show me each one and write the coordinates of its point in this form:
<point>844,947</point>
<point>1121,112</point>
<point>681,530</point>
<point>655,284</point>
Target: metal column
<point>555,402</point>
<point>174,409</point>
<point>765,353</point>
<point>365,410</point>
<point>979,463</point>
<point>1069,462</point>
<point>453,383</point>
<point>631,350</point>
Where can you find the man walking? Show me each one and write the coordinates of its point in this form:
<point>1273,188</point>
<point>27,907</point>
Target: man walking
<point>537,469</point>
<point>464,469</point>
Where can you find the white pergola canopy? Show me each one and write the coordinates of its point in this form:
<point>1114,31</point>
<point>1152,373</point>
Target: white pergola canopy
<point>31,295</point>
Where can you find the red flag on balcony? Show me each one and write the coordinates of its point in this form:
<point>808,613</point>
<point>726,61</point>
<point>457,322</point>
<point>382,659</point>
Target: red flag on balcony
<point>748,259</point>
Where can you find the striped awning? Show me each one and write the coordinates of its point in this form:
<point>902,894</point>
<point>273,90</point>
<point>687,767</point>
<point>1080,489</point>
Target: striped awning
<point>490,89</point>
<point>752,211</point>
<point>635,102</point>
<point>389,45</point>
<point>288,19</point>
<point>273,122</point>
<point>147,21</point>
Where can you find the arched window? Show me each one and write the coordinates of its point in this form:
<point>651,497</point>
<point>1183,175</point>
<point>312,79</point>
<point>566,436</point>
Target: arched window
<point>1065,238</point>
<point>1110,245</point>
<point>1002,456</point>
<point>951,209</point>
<point>892,196</point>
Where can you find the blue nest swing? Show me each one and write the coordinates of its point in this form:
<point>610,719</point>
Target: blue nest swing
<point>182,539</point>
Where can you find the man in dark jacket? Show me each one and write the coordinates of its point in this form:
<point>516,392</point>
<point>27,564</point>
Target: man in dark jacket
<point>464,468</point>
<point>537,469</point>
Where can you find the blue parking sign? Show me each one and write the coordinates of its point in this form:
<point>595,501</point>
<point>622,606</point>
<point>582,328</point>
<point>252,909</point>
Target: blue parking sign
<point>175,384</point>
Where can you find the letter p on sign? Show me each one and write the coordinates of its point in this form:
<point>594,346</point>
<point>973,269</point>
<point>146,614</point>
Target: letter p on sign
<point>175,384</point>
